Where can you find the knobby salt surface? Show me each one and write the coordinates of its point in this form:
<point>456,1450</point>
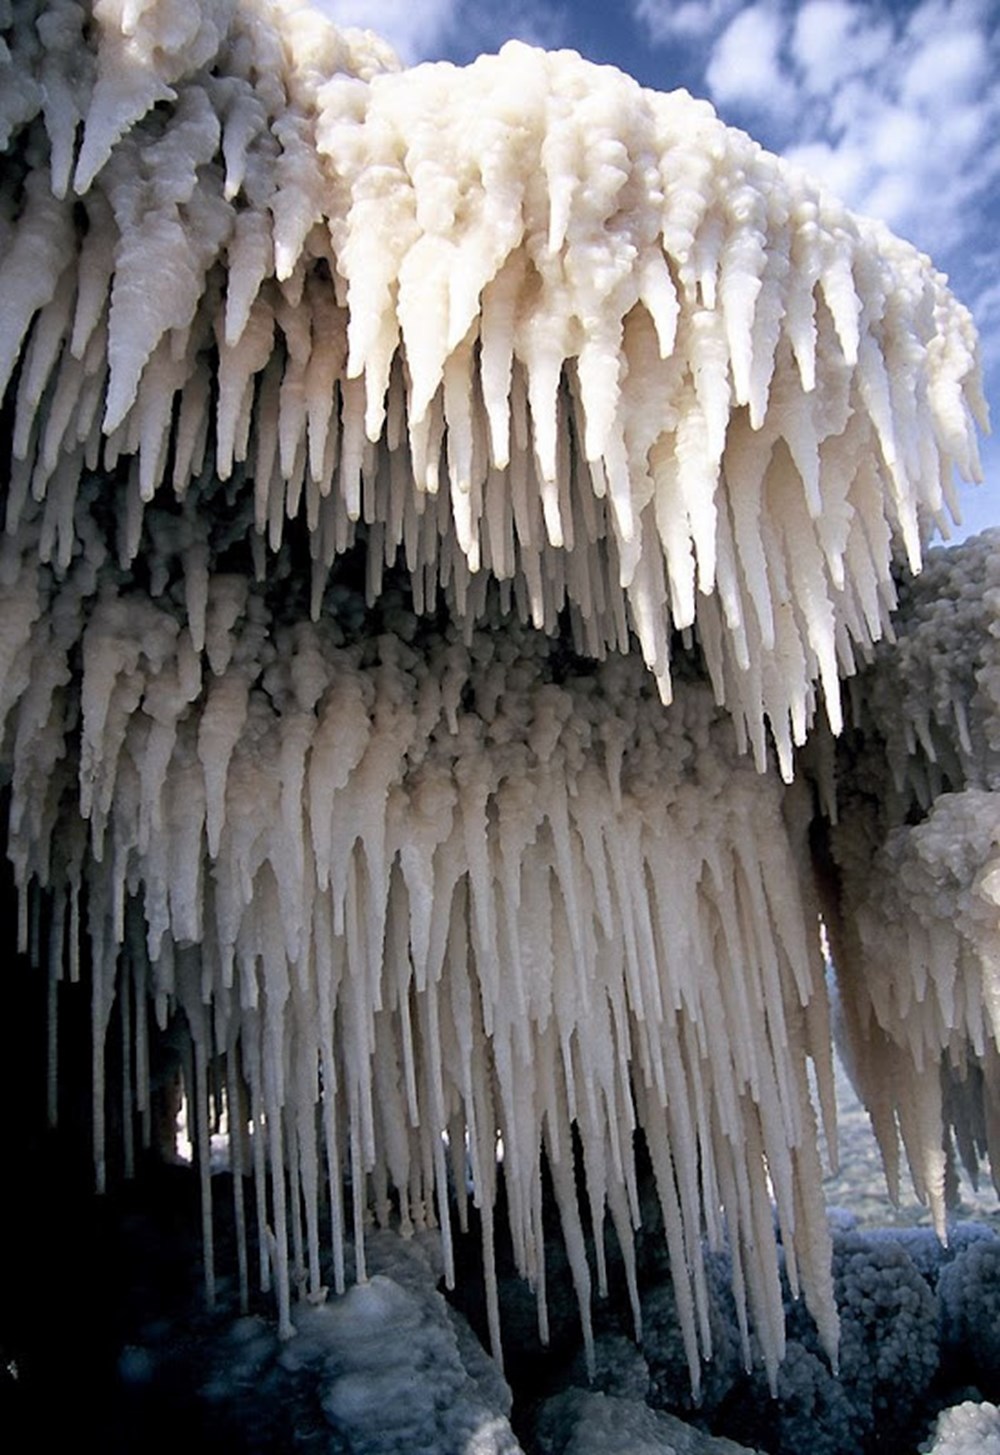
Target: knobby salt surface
<point>588,364</point>
<point>915,927</point>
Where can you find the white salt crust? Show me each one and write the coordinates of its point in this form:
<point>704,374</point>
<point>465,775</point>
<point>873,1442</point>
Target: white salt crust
<point>541,335</point>
<point>528,320</point>
<point>916,932</point>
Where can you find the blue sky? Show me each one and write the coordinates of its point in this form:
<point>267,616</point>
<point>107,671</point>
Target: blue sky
<point>894,104</point>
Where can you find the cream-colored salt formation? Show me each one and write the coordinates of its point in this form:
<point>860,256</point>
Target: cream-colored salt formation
<point>915,920</point>
<point>371,434</point>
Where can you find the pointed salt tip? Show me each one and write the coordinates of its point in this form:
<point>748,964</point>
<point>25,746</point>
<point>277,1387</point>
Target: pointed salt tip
<point>87,168</point>
<point>559,867</point>
<point>551,513</point>
<point>285,259</point>
<point>834,709</point>
<point>120,398</point>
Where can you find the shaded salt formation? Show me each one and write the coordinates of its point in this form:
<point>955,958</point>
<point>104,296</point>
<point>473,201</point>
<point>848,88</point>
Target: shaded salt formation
<point>918,1334</point>
<point>967,1429</point>
<point>585,1422</point>
<point>420,882</point>
<point>391,1367</point>
<point>468,890</point>
<point>916,933</point>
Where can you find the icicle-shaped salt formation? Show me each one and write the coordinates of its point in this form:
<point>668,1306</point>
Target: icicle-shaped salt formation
<point>933,695</point>
<point>451,890</point>
<point>590,342</point>
<point>916,932</point>
<point>589,363</point>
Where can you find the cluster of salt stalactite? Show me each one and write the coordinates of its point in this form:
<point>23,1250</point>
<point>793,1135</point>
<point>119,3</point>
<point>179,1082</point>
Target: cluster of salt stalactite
<point>934,698</point>
<point>917,928</point>
<point>413,892</point>
<point>526,320</point>
<point>559,354</point>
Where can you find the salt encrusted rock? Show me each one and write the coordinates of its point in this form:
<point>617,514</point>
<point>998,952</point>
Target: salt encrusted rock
<point>389,1369</point>
<point>931,697</point>
<point>969,1289</point>
<point>915,917</point>
<point>580,1423</point>
<point>966,1429</point>
<point>275,318</point>
<point>401,1373</point>
<point>889,1322</point>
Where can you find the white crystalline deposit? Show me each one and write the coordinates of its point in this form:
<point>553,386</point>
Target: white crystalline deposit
<point>584,1423</point>
<point>540,350</point>
<point>421,894</point>
<point>527,320</point>
<point>966,1429</point>
<point>400,1371</point>
<point>388,1368</point>
<point>934,697</point>
<point>917,932</point>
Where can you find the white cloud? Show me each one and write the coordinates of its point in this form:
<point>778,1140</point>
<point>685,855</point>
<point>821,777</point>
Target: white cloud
<point>665,22</point>
<point>416,29</point>
<point>819,36</point>
<point>484,26</point>
<point>831,40</point>
<point>422,30</point>
<point>986,306</point>
<point>841,171</point>
<point>896,136</point>
<point>953,66</point>
<point>745,66</point>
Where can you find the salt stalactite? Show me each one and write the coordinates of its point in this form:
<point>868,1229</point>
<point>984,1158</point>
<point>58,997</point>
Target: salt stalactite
<point>402,884</point>
<point>934,694</point>
<point>371,443</point>
<point>916,922</point>
<point>596,345</point>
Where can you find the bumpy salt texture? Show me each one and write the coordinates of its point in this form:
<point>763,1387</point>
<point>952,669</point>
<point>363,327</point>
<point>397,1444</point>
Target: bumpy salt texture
<point>266,306</point>
<point>454,886</point>
<point>657,378</point>
<point>917,929</point>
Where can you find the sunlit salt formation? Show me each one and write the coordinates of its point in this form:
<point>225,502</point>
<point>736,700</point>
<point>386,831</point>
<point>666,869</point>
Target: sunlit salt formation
<point>563,356</point>
<point>527,320</point>
<point>917,930</point>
